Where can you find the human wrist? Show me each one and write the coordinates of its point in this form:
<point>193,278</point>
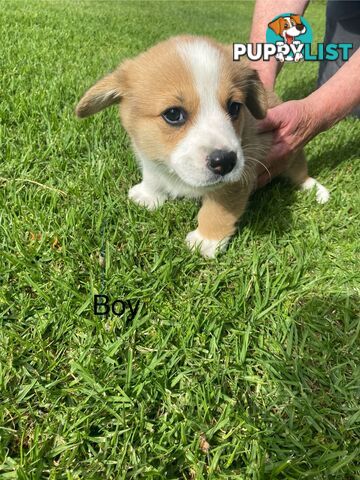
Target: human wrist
<point>327,108</point>
<point>316,113</point>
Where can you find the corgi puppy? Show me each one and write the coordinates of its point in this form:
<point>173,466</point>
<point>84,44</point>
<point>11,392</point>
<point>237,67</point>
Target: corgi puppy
<point>191,112</point>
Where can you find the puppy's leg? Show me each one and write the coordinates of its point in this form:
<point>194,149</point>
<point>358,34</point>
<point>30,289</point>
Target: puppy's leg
<point>298,174</point>
<point>148,193</point>
<point>217,219</point>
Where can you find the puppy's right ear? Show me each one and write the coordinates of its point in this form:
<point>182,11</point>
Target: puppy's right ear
<point>104,93</point>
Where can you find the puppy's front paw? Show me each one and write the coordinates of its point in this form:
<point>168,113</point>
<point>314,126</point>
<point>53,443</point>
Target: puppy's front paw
<point>141,195</point>
<point>322,193</point>
<point>208,248</point>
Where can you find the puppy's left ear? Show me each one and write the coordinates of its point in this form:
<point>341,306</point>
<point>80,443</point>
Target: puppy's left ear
<point>256,98</point>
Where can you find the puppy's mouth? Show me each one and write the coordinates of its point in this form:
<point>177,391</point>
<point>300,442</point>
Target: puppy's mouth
<point>289,38</point>
<point>215,180</point>
<point>211,183</point>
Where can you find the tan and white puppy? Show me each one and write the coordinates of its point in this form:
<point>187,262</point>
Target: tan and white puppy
<point>191,112</point>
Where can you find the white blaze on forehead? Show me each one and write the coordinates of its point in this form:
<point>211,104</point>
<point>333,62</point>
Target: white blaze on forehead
<point>204,61</point>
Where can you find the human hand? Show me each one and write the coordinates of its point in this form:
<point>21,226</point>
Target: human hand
<point>293,124</point>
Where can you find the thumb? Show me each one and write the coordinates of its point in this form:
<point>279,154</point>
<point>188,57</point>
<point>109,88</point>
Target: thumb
<point>270,122</point>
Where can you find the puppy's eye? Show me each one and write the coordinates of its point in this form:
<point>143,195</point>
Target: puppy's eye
<point>233,109</point>
<point>174,116</point>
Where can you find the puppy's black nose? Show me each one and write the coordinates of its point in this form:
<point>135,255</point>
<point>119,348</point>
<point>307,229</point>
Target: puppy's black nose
<point>299,26</point>
<point>221,162</point>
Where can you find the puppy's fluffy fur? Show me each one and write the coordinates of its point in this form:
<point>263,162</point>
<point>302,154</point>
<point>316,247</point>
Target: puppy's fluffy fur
<point>219,101</point>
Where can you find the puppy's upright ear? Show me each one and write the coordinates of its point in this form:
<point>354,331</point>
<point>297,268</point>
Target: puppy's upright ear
<point>104,93</point>
<point>256,98</point>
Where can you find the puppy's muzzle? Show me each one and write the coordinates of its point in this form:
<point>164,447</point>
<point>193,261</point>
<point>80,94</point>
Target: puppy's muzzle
<point>221,162</point>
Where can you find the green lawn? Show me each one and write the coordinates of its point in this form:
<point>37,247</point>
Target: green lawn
<point>256,352</point>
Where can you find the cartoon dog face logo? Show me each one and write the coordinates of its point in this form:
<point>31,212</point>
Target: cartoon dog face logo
<point>288,27</point>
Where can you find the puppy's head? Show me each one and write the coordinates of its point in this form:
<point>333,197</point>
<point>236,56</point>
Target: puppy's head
<point>288,27</point>
<point>184,104</point>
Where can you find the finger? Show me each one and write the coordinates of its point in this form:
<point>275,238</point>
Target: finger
<point>279,151</point>
<point>269,123</point>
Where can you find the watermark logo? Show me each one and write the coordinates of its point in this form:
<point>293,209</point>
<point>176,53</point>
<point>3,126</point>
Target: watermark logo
<point>289,33</point>
<point>289,39</point>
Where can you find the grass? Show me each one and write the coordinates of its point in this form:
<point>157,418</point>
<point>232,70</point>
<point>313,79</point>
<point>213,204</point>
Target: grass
<point>246,367</point>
